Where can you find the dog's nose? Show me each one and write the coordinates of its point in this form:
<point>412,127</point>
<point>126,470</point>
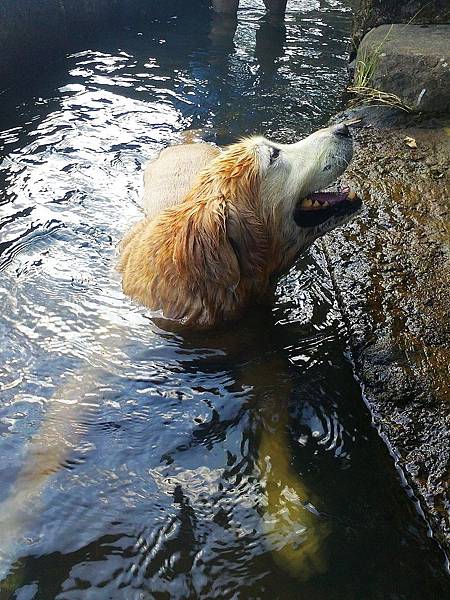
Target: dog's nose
<point>342,130</point>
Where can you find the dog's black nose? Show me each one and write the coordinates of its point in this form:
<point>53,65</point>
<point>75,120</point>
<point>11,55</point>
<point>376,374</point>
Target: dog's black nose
<point>342,130</point>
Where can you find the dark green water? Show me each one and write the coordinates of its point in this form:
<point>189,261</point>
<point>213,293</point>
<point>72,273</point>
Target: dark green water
<point>237,464</point>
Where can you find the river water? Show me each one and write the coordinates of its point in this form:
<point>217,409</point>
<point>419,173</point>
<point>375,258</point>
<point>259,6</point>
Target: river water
<point>139,463</point>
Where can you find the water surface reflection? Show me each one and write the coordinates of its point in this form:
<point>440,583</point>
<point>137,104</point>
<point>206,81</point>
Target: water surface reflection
<point>235,463</point>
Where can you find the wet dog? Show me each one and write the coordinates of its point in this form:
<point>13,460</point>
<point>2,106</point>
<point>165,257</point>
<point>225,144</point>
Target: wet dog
<point>222,226</point>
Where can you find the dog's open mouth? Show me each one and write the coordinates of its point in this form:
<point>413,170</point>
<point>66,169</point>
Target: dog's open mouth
<point>323,200</point>
<point>318,207</point>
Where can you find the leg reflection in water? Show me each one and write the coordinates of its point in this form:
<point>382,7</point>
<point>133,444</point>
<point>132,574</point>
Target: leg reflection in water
<point>270,44</point>
<point>277,7</point>
<point>230,6</point>
<point>221,36</point>
<point>291,522</point>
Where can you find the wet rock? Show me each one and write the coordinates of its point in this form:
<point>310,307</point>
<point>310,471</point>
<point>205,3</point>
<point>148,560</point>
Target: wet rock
<point>372,13</point>
<point>410,61</point>
<point>376,116</point>
<point>394,295</point>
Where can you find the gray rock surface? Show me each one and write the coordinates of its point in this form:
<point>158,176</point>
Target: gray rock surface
<point>412,62</point>
<point>391,267</point>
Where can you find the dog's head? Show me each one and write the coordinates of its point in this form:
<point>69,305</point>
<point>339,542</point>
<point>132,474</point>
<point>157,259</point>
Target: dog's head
<point>292,180</point>
<point>249,214</point>
<point>283,184</point>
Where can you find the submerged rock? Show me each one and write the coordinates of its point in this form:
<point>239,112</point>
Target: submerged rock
<point>391,268</point>
<point>410,61</point>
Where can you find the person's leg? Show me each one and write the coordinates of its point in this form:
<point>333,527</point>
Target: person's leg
<point>276,6</point>
<point>226,6</point>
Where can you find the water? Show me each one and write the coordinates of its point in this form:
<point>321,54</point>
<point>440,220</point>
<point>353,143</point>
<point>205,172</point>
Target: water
<point>144,464</point>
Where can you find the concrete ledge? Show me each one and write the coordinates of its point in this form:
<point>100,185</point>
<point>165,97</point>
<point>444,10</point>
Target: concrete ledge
<point>412,62</point>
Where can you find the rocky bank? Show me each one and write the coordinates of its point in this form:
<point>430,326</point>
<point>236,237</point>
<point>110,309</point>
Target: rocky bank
<point>410,61</point>
<point>391,266</point>
<point>368,14</point>
<point>391,269</point>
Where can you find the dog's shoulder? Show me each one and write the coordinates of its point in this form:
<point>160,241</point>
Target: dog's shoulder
<point>169,176</point>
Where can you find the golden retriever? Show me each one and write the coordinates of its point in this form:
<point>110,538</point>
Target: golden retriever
<point>221,226</point>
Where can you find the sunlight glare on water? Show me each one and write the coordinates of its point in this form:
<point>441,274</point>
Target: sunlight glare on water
<point>144,464</point>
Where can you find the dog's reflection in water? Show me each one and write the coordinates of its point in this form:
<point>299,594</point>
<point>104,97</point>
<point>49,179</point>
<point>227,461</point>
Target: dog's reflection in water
<point>45,454</point>
<point>292,522</point>
<point>292,518</point>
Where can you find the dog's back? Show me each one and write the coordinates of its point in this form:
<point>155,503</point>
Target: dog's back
<point>168,178</point>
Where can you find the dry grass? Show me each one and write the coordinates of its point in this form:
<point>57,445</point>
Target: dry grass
<point>369,95</point>
<point>363,90</point>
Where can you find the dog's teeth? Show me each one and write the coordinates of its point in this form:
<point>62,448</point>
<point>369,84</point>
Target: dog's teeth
<point>316,204</point>
<point>325,204</point>
<point>307,203</point>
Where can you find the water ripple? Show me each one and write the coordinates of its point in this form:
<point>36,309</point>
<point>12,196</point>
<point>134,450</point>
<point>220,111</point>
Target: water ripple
<point>140,463</point>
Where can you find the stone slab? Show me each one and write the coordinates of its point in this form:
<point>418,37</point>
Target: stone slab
<point>368,14</point>
<point>412,62</point>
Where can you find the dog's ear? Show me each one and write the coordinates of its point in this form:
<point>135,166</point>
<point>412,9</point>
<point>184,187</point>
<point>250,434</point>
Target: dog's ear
<point>203,252</point>
<point>222,244</point>
<point>248,237</point>
<point>201,260</point>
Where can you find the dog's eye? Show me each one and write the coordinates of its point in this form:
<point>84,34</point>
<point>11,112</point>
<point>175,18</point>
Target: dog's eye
<point>274,154</point>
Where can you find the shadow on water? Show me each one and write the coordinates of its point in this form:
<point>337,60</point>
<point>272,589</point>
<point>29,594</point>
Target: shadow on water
<point>170,464</point>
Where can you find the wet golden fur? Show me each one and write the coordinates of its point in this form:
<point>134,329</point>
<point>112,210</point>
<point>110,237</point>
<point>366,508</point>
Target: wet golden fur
<point>203,260</point>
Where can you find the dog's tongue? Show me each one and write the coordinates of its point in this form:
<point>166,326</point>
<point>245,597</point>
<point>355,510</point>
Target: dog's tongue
<point>330,197</point>
<point>321,200</point>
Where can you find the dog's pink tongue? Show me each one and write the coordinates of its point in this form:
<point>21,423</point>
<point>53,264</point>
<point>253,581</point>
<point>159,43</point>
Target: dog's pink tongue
<point>329,197</point>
